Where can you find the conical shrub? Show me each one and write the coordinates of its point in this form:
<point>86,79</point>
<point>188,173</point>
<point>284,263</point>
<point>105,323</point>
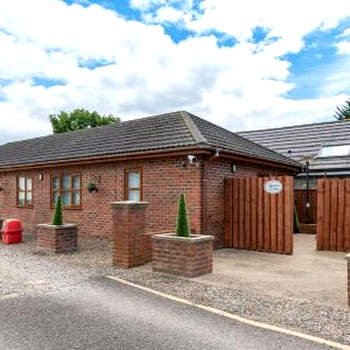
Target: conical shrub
<point>296,220</point>
<point>58,215</point>
<point>182,220</point>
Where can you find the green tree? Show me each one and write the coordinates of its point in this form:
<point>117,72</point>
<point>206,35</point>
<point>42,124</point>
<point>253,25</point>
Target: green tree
<point>182,221</point>
<point>58,215</point>
<point>79,119</point>
<point>343,112</point>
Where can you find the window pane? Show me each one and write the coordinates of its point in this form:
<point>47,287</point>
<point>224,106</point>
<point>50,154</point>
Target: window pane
<point>29,184</point>
<point>76,198</point>
<point>134,180</point>
<point>66,182</point>
<point>67,198</point>
<point>55,197</point>
<point>334,151</point>
<point>56,183</point>
<point>134,195</point>
<point>29,197</point>
<point>21,198</point>
<point>76,182</point>
<point>21,183</point>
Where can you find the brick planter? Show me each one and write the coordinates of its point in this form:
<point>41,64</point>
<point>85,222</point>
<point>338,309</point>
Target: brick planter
<point>347,258</point>
<point>189,257</point>
<point>57,239</point>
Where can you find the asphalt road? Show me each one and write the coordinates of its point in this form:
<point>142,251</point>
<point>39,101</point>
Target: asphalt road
<point>104,314</point>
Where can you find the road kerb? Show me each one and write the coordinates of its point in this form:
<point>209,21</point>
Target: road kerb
<point>236,317</point>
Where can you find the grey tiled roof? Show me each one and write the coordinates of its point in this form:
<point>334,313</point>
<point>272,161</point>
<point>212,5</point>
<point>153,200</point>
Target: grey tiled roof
<point>300,141</point>
<point>161,132</point>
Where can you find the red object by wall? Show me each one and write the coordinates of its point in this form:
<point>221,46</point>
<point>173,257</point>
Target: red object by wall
<point>12,231</point>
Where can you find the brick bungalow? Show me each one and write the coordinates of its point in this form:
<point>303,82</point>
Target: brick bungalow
<point>144,159</point>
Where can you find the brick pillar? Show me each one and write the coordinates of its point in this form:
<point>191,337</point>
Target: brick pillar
<point>130,244</point>
<point>347,258</point>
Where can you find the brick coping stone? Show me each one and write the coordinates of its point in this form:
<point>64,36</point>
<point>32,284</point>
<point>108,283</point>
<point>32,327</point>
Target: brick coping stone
<point>57,226</point>
<point>129,204</point>
<point>192,239</point>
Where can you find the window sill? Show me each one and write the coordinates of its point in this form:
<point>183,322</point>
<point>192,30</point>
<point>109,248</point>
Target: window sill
<point>24,206</point>
<point>69,208</point>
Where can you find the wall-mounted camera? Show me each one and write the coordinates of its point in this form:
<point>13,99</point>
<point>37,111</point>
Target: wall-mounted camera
<point>191,160</point>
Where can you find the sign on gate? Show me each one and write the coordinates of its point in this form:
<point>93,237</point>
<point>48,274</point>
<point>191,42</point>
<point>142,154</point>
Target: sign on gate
<point>273,186</point>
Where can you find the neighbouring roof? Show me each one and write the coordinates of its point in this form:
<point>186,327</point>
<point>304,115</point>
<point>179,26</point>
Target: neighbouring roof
<point>160,132</point>
<point>302,141</point>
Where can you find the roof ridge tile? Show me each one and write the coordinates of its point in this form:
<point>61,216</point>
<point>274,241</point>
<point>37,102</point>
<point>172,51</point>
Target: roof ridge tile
<point>197,135</point>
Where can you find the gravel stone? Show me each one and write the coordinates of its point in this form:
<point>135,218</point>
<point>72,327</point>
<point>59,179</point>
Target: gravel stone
<point>39,273</point>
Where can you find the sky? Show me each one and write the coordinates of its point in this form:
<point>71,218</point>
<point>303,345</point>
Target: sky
<point>242,64</point>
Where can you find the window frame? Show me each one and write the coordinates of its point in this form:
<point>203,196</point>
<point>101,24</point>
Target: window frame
<point>127,189</point>
<point>71,190</point>
<point>25,205</point>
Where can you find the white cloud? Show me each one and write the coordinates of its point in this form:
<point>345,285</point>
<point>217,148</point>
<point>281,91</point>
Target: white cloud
<point>144,5</point>
<point>239,87</point>
<point>167,14</point>
<point>344,47</point>
<point>345,33</point>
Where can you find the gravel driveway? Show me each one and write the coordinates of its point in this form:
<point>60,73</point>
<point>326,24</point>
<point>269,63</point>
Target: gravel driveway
<point>24,271</point>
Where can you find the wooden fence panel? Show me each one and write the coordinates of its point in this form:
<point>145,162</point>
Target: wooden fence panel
<point>254,213</point>
<point>347,216</point>
<point>300,204</point>
<point>288,182</point>
<point>260,214</point>
<point>333,214</point>
<point>256,219</point>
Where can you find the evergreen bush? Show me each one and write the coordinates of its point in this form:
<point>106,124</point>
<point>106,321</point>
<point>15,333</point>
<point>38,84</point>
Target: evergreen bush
<point>182,220</point>
<point>58,215</point>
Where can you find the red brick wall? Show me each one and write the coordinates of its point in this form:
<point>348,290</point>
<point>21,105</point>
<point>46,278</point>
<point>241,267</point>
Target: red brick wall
<point>215,173</point>
<point>163,180</point>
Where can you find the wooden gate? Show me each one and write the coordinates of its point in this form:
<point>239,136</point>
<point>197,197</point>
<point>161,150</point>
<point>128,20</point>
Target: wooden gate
<point>300,202</point>
<point>256,219</point>
<point>333,214</point>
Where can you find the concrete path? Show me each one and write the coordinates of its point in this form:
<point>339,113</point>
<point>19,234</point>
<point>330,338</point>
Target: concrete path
<point>104,314</point>
<point>308,274</point>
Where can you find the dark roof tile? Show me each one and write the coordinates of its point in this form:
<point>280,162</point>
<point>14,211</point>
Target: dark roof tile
<point>171,130</point>
<point>300,141</point>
